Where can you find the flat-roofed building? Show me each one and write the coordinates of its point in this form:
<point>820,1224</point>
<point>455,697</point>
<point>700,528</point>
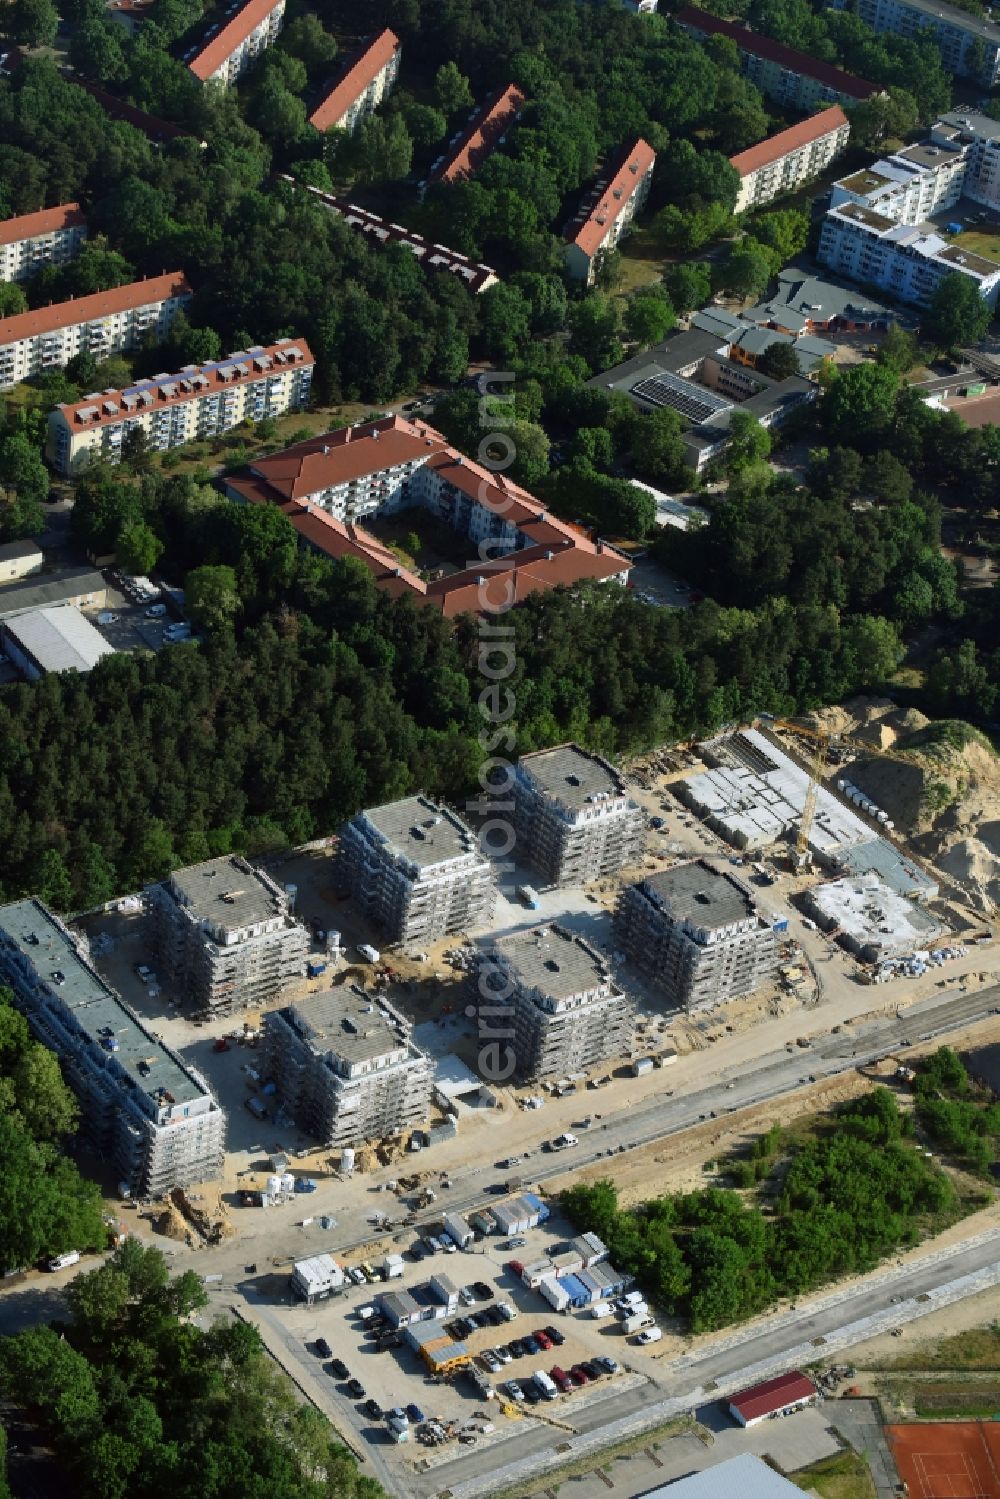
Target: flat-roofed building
<point>546,998</point>
<point>907,261</point>
<point>19,559</point>
<point>573,819</point>
<point>606,214</point>
<point>746,1476</point>
<point>485,130</point>
<point>222,932</point>
<point>361,89</point>
<point>696,933</point>
<point>316,1278</point>
<point>227,53</point>
<point>345,1067</point>
<point>200,401</point>
<point>783,162</point>
<point>50,237</point>
<point>105,323</point>
<point>148,1114</point>
<point>57,638</point>
<point>82,586</point>
<point>416,870</point>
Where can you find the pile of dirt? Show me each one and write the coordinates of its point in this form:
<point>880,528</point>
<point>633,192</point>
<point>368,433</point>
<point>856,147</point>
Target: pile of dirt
<point>171,1224</point>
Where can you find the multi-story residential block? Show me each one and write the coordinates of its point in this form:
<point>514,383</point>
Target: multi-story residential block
<point>201,400</point>
<point>793,79</point>
<point>102,324</point>
<point>474,274</point>
<point>606,214</point>
<point>546,999</point>
<point>978,136</point>
<point>905,261</point>
<point>328,484</point>
<point>908,186</point>
<point>228,52</point>
<point>969,44</point>
<point>485,129</point>
<point>345,1068</point>
<point>223,934</point>
<point>362,88</point>
<point>50,237</point>
<point>415,869</point>
<point>785,161</point>
<point>147,1113</point>
<point>572,817</point>
<point>696,933</point>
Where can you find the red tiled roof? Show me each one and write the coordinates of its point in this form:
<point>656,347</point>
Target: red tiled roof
<point>46,221</point>
<point>786,141</point>
<point>337,457</point>
<point>226,41</point>
<point>480,136</point>
<point>359,75</point>
<point>772,1395</point>
<point>85,309</point>
<point>189,384</point>
<point>613,190</point>
<point>787,57</point>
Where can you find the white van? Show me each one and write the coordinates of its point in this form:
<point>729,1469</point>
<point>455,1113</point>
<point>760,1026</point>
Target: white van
<point>649,1335</point>
<point>601,1309</point>
<point>63,1261</point>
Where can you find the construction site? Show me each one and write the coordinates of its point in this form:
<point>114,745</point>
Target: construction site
<point>573,819</point>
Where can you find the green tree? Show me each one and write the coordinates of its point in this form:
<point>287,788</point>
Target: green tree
<point>43,1100</point>
<point>649,315</point>
<point>12,299</point>
<point>32,23</point>
<point>137,457</point>
<point>451,89</point>
<point>212,597</point>
<point>96,51</point>
<point>956,313</point>
<point>749,442</point>
<point>860,402</point>
<point>779,360</point>
<point>306,39</point>
<point>898,349</point>
<point>53,881</point>
<point>425,125</point>
<point>138,548</point>
<point>746,270</point>
<point>689,285</point>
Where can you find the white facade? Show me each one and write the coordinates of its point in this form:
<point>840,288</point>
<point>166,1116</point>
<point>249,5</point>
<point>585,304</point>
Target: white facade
<point>229,54</point>
<point>198,402</point>
<point>362,89</point>
<point>51,237</point>
<point>317,1277</point>
<point>103,324</point>
<point>900,259</point>
<point>979,137</point>
<point>19,559</point>
<point>765,175</point>
<point>606,214</point>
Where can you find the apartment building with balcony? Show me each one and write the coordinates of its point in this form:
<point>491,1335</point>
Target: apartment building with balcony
<point>906,261</point>
<point>485,130</point>
<point>345,1068</point>
<point>105,323</point>
<point>228,52</point>
<point>223,935</point>
<point>785,161</point>
<point>363,86</point>
<point>969,44</point>
<point>200,401</point>
<point>546,999</point>
<point>50,237</point>
<point>978,137</point>
<point>793,79</point>
<point>415,870</point>
<point>695,932</point>
<point>607,211</point>
<point>147,1113</point>
<point>573,820</point>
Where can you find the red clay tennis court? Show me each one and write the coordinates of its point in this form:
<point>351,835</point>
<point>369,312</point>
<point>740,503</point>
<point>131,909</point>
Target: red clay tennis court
<point>948,1459</point>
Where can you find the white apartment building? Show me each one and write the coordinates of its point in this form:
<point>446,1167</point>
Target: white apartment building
<point>50,237</point>
<point>786,160</point>
<point>908,186</point>
<point>362,88</point>
<point>607,212</point>
<point>904,260</point>
<point>979,138</point>
<point>102,324</point>
<point>227,53</point>
<point>199,401</point>
<point>969,44</point>
<point>572,816</point>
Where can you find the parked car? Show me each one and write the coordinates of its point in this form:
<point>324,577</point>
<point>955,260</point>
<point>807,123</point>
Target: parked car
<point>591,1368</point>
<point>339,1368</point>
<point>415,1413</point>
<point>609,1365</point>
<point>502,1354</point>
<point>649,1335</point>
<point>515,1347</point>
<point>542,1339</point>
<point>357,1275</point>
<point>356,1389</point>
<point>513,1389</point>
<point>577,1375</point>
<point>323,1348</point>
<point>532,1393</point>
<point>557,1337</point>
<point>373,1409</point>
<point>494,1316</point>
<point>561,1378</point>
<point>483,1291</point>
<point>531,1344</point>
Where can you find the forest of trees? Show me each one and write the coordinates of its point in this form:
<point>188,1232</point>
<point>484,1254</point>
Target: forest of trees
<point>961,1117</point>
<point>834,1204</point>
<point>46,1206</point>
<point>137,1400</point>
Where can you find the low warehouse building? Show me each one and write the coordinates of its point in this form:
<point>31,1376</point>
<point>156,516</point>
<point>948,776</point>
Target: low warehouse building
<point>745,1475</point>
<point>19,559</point>
<point>774,1397</point>
<point>54,639</point>
<point>316,1278</point>
<point>440,1353</point>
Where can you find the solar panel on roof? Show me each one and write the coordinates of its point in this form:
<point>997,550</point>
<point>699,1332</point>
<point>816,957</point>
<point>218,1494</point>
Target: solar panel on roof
<point>690,400</point>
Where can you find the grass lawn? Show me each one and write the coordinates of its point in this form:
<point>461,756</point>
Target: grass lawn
<point>980,242</point>
<point>845,1476</point>
<point>976,1349</point>
<point>642,261</point>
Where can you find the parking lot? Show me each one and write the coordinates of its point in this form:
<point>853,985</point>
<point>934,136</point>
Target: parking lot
<point>443,1408</point>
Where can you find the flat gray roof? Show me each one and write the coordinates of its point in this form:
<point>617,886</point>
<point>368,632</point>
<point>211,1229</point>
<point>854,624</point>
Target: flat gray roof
<point>572,775</point>
<point>962,19</point>
<point>422,831</point>
<point>672,354</point>
<point>95,1006</point>
<point>58,638</point>
<point>70,584</point>
<point>698,893</point>
<point>553,960</point>
<point>968,120</point>
<point>745,1475</point>
<point>349,1024</point>
<point>220,892</point>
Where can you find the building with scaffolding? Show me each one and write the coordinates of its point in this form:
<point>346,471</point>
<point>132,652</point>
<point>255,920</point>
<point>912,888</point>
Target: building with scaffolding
<point>416,871</point>
<point>696,933</point>
<point>143,1110</point>
<point>572,817</point>
<point>345,1067</point>
<point>548,996</point>
<point>223,934</point>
